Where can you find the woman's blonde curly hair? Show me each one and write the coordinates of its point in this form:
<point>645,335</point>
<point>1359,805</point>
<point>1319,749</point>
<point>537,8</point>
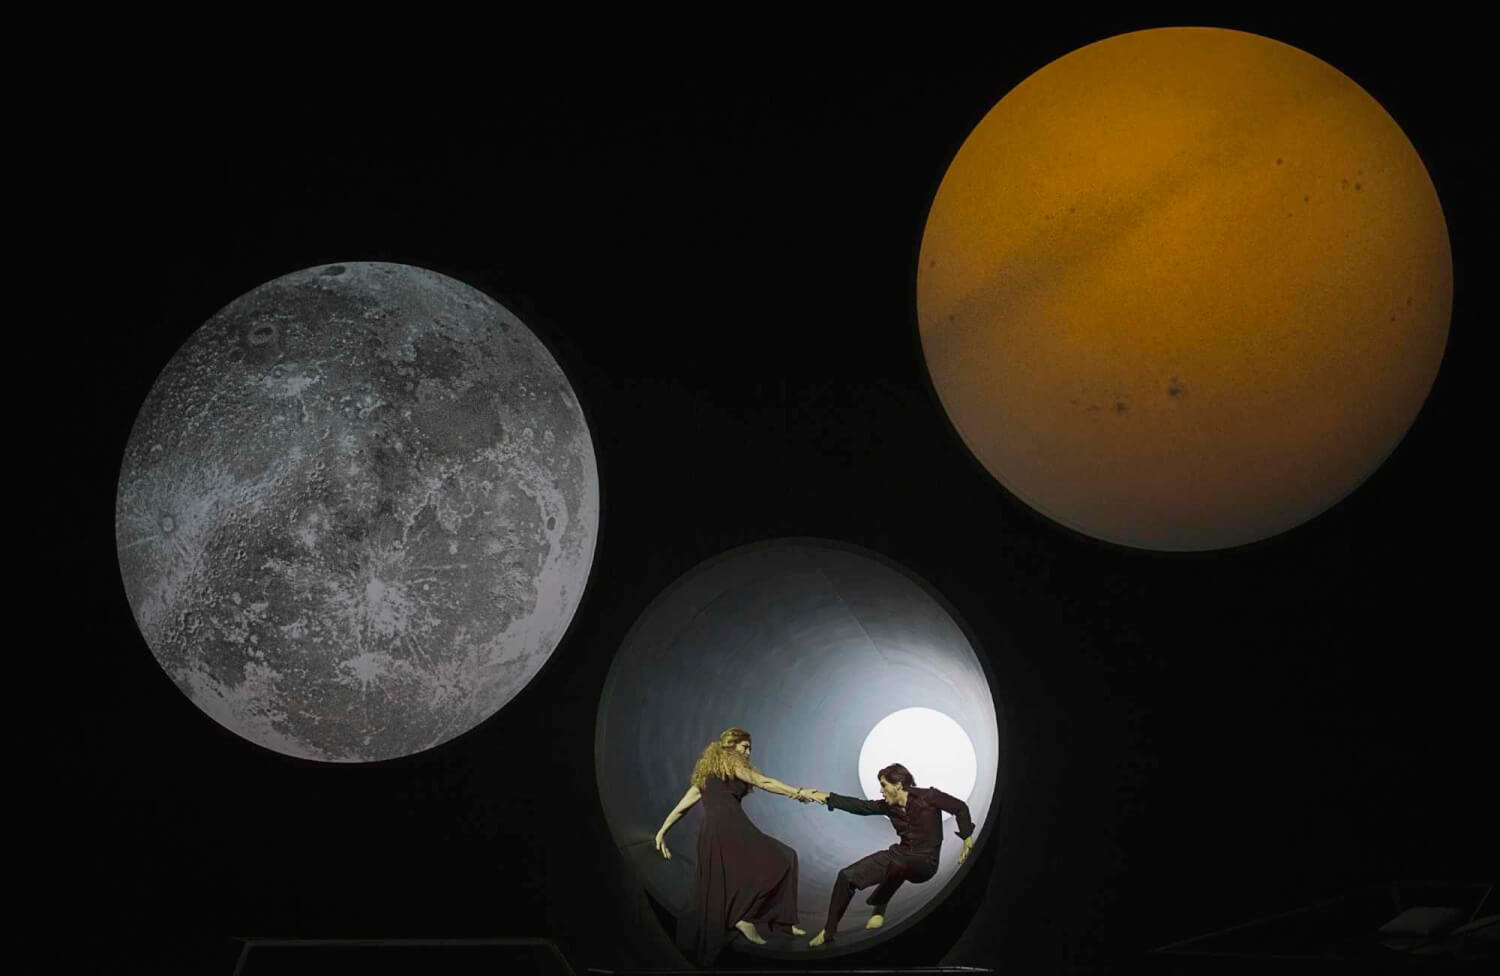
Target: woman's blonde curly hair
<point>721,759</point>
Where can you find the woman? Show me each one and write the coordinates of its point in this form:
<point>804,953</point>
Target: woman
<point>744,876</point>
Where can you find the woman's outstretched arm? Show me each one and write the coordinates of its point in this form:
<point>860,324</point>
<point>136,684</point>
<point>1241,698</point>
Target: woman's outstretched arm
<point>757,778</point>
<point>688,799</point>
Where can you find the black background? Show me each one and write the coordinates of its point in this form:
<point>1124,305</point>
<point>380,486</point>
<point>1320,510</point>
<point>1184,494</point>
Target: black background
<point>717,238</point>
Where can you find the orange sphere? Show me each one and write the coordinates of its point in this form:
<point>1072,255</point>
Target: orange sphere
<point>1185,288</point>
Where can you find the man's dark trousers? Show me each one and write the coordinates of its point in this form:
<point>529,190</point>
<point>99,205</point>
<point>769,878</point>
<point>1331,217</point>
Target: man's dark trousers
<point>888,869</point>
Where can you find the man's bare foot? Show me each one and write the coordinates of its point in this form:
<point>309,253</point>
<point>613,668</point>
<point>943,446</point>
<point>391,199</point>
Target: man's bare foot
<point>875,922</point>
<point>748,931</point>
<point>797,931</point>
<point>818,939</point>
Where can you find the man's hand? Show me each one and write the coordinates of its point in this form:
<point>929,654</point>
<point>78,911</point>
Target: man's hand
<point>661,847</point>
<point>968,846</point>
<point>817,796</point>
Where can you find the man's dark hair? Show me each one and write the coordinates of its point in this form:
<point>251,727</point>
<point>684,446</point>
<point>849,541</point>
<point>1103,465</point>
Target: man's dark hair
<point>899,774</point>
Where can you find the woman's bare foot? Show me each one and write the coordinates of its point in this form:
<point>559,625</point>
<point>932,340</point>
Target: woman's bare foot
<point>748,931</point>
<point>818,939</point>
<point>797,931</point>
<point>875,922</point>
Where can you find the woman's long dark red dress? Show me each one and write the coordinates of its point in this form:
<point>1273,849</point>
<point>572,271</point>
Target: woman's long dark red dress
<point>743,874</point>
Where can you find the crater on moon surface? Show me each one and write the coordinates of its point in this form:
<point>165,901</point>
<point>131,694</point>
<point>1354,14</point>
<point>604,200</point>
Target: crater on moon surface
<point>357,512</point>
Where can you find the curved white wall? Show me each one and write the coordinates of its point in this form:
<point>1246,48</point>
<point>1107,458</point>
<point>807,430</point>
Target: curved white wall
<point>807,644</point>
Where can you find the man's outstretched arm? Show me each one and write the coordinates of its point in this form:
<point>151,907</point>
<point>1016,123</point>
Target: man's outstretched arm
<point>850,804</point>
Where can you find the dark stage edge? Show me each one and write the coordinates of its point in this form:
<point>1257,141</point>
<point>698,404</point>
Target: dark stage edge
<point>407,957</point>
<point>1345,934</point>
<point>512,957</point>
<point>821,970</point>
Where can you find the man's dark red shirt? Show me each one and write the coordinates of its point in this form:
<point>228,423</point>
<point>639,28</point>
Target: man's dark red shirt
<point>919,824</point>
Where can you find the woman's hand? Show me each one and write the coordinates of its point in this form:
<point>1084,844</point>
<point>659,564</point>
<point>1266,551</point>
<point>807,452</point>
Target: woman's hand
<point>661,847</point>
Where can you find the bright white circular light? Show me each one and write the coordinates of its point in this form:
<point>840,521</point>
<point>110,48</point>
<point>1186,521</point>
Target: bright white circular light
<point>933,747</point>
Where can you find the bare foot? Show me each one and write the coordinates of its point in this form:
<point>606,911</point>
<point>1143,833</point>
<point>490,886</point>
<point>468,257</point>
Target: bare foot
<point>748,931</point>
<point>797,931</point>
<point>875,922</point>
<point>818,939</point>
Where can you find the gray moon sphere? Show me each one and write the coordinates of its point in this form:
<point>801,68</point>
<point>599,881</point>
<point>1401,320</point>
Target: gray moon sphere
<point>357,512</point>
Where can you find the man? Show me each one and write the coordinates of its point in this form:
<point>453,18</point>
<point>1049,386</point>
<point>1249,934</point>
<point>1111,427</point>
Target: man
<point>917,815</point>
